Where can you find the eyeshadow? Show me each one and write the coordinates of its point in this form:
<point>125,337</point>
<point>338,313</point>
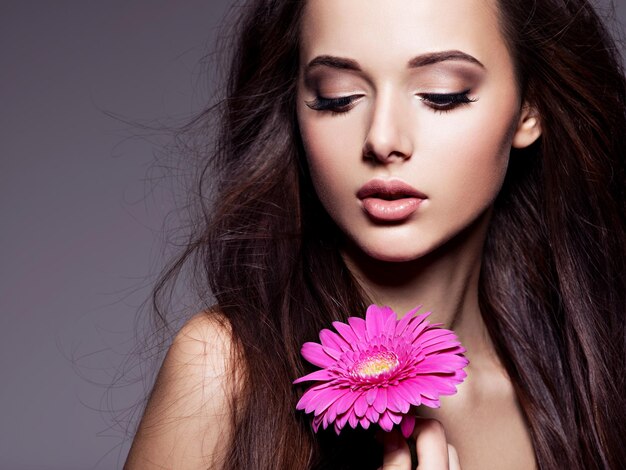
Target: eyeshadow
<point>317,79</point>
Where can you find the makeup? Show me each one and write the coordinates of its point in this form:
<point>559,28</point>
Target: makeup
<point>406,132</point>
<point>389,200</point>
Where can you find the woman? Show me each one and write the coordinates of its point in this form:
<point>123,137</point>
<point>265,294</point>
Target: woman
<point>465,155</point>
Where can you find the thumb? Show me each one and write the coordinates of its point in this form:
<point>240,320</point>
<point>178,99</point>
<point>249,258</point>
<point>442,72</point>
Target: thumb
<point>396,453</point>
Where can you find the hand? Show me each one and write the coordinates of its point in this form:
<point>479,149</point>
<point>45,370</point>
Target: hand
<point>433,450</point>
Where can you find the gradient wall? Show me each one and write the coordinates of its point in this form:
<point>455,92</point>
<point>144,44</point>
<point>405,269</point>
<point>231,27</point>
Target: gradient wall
<point>82,207</point>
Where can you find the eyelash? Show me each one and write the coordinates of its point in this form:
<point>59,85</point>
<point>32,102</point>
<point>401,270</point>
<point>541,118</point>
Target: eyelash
<point>445,102</point>
<point>334,105</point>
<point>439,102</point>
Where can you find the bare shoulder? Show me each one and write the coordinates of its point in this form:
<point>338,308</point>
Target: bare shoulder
<point>187,419</point>
<point>205,335</point>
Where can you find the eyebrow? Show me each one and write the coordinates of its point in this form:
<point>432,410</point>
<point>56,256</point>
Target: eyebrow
<point>416,62</point>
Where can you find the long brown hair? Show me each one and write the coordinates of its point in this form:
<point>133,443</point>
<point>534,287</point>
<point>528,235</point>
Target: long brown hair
<point>552,286</point>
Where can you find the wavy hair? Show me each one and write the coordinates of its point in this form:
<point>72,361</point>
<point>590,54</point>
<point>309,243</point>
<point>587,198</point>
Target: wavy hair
<point>552,286</point>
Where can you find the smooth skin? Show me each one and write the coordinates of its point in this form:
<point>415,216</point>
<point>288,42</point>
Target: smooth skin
<point>433,452</point>
<point>187,419</point>
<point>391,127</point>
<point>423,92</point>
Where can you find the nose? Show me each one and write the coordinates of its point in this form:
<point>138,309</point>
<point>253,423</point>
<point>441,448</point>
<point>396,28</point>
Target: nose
<point>388,137</point>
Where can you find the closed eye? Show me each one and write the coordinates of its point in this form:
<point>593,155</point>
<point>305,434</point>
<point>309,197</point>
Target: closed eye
<point>438,101</point>
<point>446,101</point>
<point>334,105</point>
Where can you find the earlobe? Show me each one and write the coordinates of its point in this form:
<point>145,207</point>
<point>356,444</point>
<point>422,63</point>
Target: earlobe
<point>528,127</point>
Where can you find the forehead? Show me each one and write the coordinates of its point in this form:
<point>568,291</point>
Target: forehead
<point>381,32</point>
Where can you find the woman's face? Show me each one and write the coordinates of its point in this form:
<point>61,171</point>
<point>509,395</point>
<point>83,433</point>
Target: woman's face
<point>407,110</point>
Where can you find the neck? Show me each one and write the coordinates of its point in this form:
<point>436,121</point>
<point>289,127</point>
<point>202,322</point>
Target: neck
<point>445,282</point>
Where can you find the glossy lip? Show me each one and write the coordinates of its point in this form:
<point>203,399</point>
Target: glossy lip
<point>389,200</point>
<point>388,190</point>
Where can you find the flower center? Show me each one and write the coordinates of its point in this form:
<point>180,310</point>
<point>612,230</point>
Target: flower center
<point>376,364</point>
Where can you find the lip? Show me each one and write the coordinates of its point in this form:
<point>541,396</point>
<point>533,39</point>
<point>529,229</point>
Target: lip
<point>389,200</point>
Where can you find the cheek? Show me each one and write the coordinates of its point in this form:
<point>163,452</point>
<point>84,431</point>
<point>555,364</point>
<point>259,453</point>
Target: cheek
<point>460,158</point>
<point>471,153</point>
<point>331,155</point>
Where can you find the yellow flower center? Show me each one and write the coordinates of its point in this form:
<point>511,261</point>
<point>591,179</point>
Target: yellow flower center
<point>376,364</point>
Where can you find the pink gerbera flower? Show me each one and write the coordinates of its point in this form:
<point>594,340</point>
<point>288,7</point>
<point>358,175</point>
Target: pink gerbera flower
<point>375,369</point>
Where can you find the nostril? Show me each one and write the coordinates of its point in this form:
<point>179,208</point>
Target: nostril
<point>384,158</point>
<point>387,150</point>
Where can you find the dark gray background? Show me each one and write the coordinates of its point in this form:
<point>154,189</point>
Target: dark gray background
<point>82,208</point>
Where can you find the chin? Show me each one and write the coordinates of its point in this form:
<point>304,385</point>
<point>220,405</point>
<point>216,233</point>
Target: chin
<point>395,253</point>
<point>395,258</point>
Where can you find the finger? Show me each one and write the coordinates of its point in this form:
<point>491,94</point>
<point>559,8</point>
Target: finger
<point>431,445</point>
<point>396,453</point>
<point>453,458</point>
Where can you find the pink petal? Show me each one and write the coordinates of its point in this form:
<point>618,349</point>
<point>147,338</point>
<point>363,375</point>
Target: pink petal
<point>346,401</point>
<point>370,396</point>
<point>407,425</point>
<point>322,374</point>
<point>385,422</point>
<point>348,358</point>
<point>346,332</point>
<point>301,405</point>
<point>322,385</point>
<point>325,422</point>
<point>314,353</point>
<point>433,334</point>
<point>331,412</point>
<point>402,323</point>
<point>316,425</point>
<point>440,363</point>
<point>332,352</point>
<point>360,406</point>
<point>409,394</point>
<point>342,420</point>
<point>372,414</point>
<point>452,351</point>
<point>459,376</point>
<point>430,403</point>
<point>380,404</point>
<point>395,402</point>
<point>395,417</point>
<point>417,326</point>
<point>375,320</point>
<point>332,340</point>
<point>418,320</point>
<point>358,326</point>
<point>309,399</point>
<point>414,355</point>
<point>441,346</point>
<point>390,325</point>
<point>431,364</point>
<point>413,313</point>
<point>423,388</point>
<point>322,401</point>
<point>440,332</point>
<point>434,385</point>
<point>353,420</point>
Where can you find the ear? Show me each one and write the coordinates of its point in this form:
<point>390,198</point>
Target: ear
<point>528,127</point>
